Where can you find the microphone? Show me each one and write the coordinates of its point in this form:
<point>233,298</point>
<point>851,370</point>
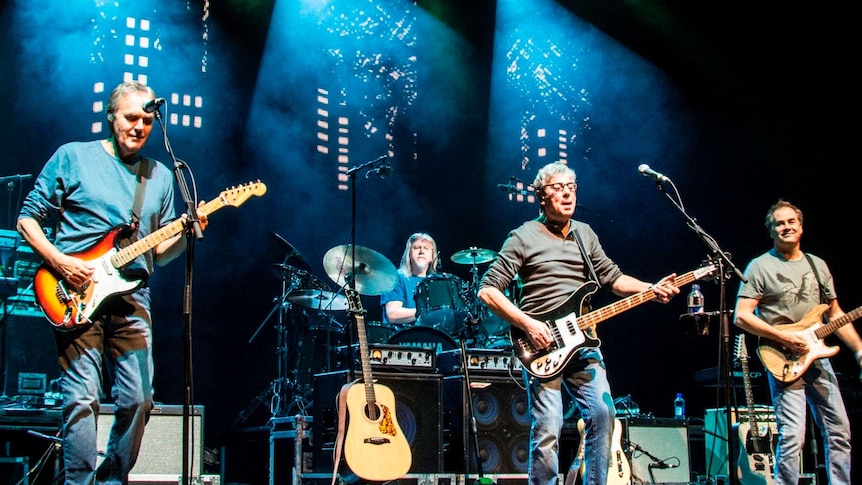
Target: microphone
<point>660,465</point>
<point>13,178</point>
<point>153,105</point>
<point>648,172</point>
<point>438,265</point>
<point>512,188</point>
<point>382,170</point>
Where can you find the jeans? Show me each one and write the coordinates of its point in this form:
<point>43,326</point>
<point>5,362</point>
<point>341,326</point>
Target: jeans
<point>819,387</point>
<point>587,382</point>
<point>120,342</point>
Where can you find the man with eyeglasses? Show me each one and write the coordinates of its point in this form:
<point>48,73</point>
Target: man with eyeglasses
<point>553,256</point>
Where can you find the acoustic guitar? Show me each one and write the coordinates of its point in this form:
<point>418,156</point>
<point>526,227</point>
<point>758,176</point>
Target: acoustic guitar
<point>375,448</point>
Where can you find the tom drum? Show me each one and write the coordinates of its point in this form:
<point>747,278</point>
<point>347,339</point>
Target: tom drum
<point>440,304</point>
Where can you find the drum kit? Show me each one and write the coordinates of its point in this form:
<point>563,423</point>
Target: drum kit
<point>309,333</point>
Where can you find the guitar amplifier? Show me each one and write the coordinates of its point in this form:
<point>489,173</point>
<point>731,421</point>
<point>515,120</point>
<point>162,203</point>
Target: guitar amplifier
<point>480,361</point>
<point>715,434</point>
<point>658,439</point>
<point>395,357</point>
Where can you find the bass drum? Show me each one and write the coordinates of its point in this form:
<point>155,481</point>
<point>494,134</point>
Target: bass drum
<point>423,337</point>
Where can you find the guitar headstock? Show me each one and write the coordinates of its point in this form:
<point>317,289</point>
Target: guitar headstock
<point>704,272</point>
<point>739,348</point>
<point>354,301</point>
<point>236,196</point>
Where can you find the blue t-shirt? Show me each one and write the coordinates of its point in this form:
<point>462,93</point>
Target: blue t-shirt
<point>93,192</point>
<point>404,291</point>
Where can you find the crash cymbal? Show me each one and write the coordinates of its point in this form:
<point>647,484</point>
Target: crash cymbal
<point>473,256</point>
<point>318,299</point>
<point>297,278</point>
<point>374,274</point>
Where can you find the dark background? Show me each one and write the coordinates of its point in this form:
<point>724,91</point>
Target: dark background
<point>739,103</point>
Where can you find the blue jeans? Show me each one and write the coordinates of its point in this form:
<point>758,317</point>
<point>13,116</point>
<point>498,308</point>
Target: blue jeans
<point>120,343</point>
<point>587,382</point>
<point>818,386</point>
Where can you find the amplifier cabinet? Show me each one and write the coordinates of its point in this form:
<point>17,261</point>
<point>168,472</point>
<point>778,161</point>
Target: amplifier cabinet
<point>715,434</point>
<point>662,439</point>
<point>162,449</point>
<point>502,418</point>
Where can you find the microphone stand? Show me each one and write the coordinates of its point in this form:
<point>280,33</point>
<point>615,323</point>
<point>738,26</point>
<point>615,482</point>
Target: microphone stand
<point>657,463</point>
<point>195,233</point>
<point>724,263</point>
<point>374,165</point>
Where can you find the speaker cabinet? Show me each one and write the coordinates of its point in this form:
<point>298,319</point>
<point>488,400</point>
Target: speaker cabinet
<point>502,420</point>
<point>715,435</point>
<point>417,409</point>
<point>30,349</point>
<point>665,440</point>
<point>162,449</point>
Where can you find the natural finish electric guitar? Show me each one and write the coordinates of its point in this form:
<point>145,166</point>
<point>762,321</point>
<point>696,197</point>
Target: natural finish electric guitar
<point>567,326</point>
<point>619,469</point>
<point>787,365</point>
<point>68,308</point>
<point>756,458</point>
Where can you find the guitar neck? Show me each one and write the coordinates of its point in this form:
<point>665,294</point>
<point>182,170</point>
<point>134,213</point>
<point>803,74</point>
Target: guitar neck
<point>829,328</point>
<point>592,318</point>
<point>749,398</point>
<point>139,247</point>
<point>355,303</point>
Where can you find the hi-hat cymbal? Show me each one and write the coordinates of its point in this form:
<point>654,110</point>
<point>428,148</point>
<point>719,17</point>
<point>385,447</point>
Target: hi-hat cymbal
<point>297,278</point>
<point>373,273</point>
<point>318,299</point>
<point>473,256</point>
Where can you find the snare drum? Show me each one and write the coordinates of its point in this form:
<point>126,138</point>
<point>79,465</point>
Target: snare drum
<point>378,332</point>
<point>440,303</point>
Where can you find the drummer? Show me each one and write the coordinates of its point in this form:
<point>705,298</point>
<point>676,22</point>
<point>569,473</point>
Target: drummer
<point>418,261</point>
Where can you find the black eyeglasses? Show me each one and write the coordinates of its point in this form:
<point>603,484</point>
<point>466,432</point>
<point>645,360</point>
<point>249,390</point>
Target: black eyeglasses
<point>558,187</point>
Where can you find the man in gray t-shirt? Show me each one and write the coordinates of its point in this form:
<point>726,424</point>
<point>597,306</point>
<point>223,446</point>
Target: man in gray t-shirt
<point>784,286</point>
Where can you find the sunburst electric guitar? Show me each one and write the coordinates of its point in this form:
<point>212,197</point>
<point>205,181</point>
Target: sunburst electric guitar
<point>754,465</point>
<point>619,470</point>
<point>68,308</point>
<point>568,327</point>
<point>375,448</point>
<point>787,365</point>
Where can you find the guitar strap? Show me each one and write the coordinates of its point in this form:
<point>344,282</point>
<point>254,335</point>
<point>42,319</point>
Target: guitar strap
<point>341,405</point>
<point>586,255</point>
<point>823,297</point>
<point>138,204</point>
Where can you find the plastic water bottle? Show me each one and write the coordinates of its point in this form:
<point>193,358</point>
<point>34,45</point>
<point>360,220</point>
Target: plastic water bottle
<point>679,407</point>
<point>695,299</point>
